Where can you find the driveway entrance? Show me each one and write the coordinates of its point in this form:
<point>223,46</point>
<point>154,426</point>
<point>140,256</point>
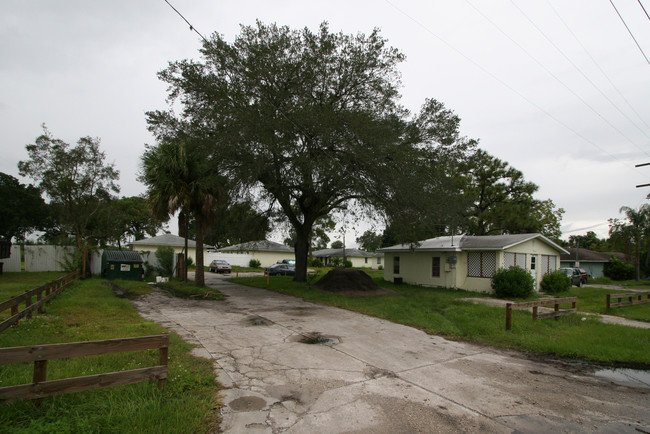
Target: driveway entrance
<point>297,367</point>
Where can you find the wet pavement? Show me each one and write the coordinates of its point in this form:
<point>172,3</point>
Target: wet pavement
<point>294,366</point>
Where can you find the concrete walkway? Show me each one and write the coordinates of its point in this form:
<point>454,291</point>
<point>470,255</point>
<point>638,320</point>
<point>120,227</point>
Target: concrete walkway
<point>366,375</point>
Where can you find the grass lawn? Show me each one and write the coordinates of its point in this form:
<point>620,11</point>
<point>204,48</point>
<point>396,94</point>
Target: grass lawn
<point>89,310</point>
<point>442,312</point>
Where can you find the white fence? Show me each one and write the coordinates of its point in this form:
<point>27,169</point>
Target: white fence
<point>48,258</point>
<point>12,263</point>
<point>54,258</point>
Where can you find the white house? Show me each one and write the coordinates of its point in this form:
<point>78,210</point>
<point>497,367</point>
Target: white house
<point>168,240</point>
<point>359,258</point>
<point>468,262</point>
<point>267,252</point>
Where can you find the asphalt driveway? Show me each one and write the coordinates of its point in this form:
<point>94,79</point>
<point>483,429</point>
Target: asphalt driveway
<point>297,367</point>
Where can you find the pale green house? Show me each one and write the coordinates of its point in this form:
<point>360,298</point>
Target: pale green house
<point>468,262</point>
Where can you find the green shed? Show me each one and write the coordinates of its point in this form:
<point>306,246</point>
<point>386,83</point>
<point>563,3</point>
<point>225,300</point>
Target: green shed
<point>122,264</point>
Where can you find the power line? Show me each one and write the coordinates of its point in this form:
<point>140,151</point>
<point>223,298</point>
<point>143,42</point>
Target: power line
<point>629,31</point>
<point>646,12</point>
<point>559,50</point>
<point>504,84</point>
<point>597,65</point>
<point>192,28</point>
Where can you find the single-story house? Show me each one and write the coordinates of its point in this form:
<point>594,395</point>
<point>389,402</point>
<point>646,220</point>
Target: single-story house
<point>592,262</point>
<point>359,258</point>
<point>168,240</point>
<point>267,252</point>
<point>468,262</point>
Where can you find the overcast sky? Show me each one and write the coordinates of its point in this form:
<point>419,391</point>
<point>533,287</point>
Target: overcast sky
<point>558,89</point>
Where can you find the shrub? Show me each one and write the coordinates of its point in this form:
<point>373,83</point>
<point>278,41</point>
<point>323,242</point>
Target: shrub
<point>381,267</point>
<point>165,257</point>
<point>555,282</point>
<point>347,264</point>
<point>254,263</point>
<point>615,269</point>
<point>512,282</point>
<point>315,262</point>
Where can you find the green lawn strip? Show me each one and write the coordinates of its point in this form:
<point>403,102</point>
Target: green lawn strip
<point>591,299</point>
<point>440,311</point>
<point>178,288</point>
<point>13,284</point>
<point>90,311</point>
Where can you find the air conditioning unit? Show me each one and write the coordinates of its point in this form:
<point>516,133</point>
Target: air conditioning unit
<point>452,259</point>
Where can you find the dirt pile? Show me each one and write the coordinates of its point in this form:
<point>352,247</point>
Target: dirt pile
<point>349,282</point>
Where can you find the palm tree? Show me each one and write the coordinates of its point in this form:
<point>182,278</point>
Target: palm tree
<point>635,230</point>
<point>180,177</point>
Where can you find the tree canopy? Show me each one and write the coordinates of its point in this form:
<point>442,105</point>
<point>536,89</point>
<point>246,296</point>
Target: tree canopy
<point>75,178</point>
<point>501,200</point>
<point>22,209</point>
<point>310,123</point>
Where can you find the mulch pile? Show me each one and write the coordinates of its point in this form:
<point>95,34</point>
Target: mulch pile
<point>350,282</point>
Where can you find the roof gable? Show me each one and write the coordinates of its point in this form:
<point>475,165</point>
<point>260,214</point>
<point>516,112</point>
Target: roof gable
<point>169,240</point>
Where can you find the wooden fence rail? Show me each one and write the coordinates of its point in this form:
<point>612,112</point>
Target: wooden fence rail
<point>51,290</point>
<point>555,302</point>
<point>630,299</point>
<point>40,355</point>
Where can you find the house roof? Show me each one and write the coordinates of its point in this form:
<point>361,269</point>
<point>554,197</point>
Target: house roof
<point>122,256</point>
<point>586,255</point>
<point>258,246</point>
<point>459,243</point>
<point>169,240</point>
<point>326,253</point>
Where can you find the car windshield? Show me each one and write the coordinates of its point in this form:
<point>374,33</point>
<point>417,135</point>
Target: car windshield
<point>221,262</point>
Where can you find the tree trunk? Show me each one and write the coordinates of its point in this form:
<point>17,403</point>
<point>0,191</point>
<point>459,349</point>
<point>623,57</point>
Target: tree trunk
<point>301,250</point>
<point>199,277</point>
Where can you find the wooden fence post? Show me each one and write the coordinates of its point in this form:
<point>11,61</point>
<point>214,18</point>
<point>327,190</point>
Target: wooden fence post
<point>508,315</point>
<point>609,299</point>
<point>534,313</point>
<point>28,303</point>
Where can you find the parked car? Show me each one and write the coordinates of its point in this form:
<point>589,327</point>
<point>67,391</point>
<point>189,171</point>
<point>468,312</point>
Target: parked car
<point>220,266</point>
<point>583,273</point>
<point>281,269</point>
<point>574,274</point>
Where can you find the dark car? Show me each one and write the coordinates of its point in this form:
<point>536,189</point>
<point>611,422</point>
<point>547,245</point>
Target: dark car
<point>281,269</point>
<point>574,274</point>
<point>220,266</point>
<point>583,273</point>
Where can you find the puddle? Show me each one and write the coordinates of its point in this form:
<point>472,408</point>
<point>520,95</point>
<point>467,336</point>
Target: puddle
<point>257,321</point>
<point>247,403</point>
<point>626,377</point>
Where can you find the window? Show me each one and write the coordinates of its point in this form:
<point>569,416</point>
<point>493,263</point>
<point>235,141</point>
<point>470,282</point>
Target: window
<point>481,264</point>
<point>378,261</point>
<point>366,260</point>
<point>396,265</point>
<point>435,266</point>
<point>532,262</point>
<point>514,260</point>
<point>549,264</point>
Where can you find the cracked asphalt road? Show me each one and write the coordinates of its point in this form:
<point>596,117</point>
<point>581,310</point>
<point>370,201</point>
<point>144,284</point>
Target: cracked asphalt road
<point>380,377</point>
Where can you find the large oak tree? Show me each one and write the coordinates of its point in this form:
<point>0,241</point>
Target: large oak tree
<point>310,122</point>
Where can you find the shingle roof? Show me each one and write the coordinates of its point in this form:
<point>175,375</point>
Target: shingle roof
<point>585,255</point>
<point>169,240</point>
<point>326,253</point>
<point>258,246</point>
<point>459,243</point>
<point>122,256</point>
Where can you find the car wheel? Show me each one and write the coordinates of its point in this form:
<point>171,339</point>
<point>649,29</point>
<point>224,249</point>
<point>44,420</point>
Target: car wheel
<point>579,284</point>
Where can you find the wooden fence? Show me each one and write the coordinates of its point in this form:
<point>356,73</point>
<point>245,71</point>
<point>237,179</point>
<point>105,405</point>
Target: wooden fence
<point>555,302</point>
<point>51,290</point>
<point>40,355</point>
<point>630,299</point>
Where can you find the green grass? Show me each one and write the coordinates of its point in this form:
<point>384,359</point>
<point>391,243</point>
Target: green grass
<point>440,311</point>
<point>181,289</point>
<point>89,310</point>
